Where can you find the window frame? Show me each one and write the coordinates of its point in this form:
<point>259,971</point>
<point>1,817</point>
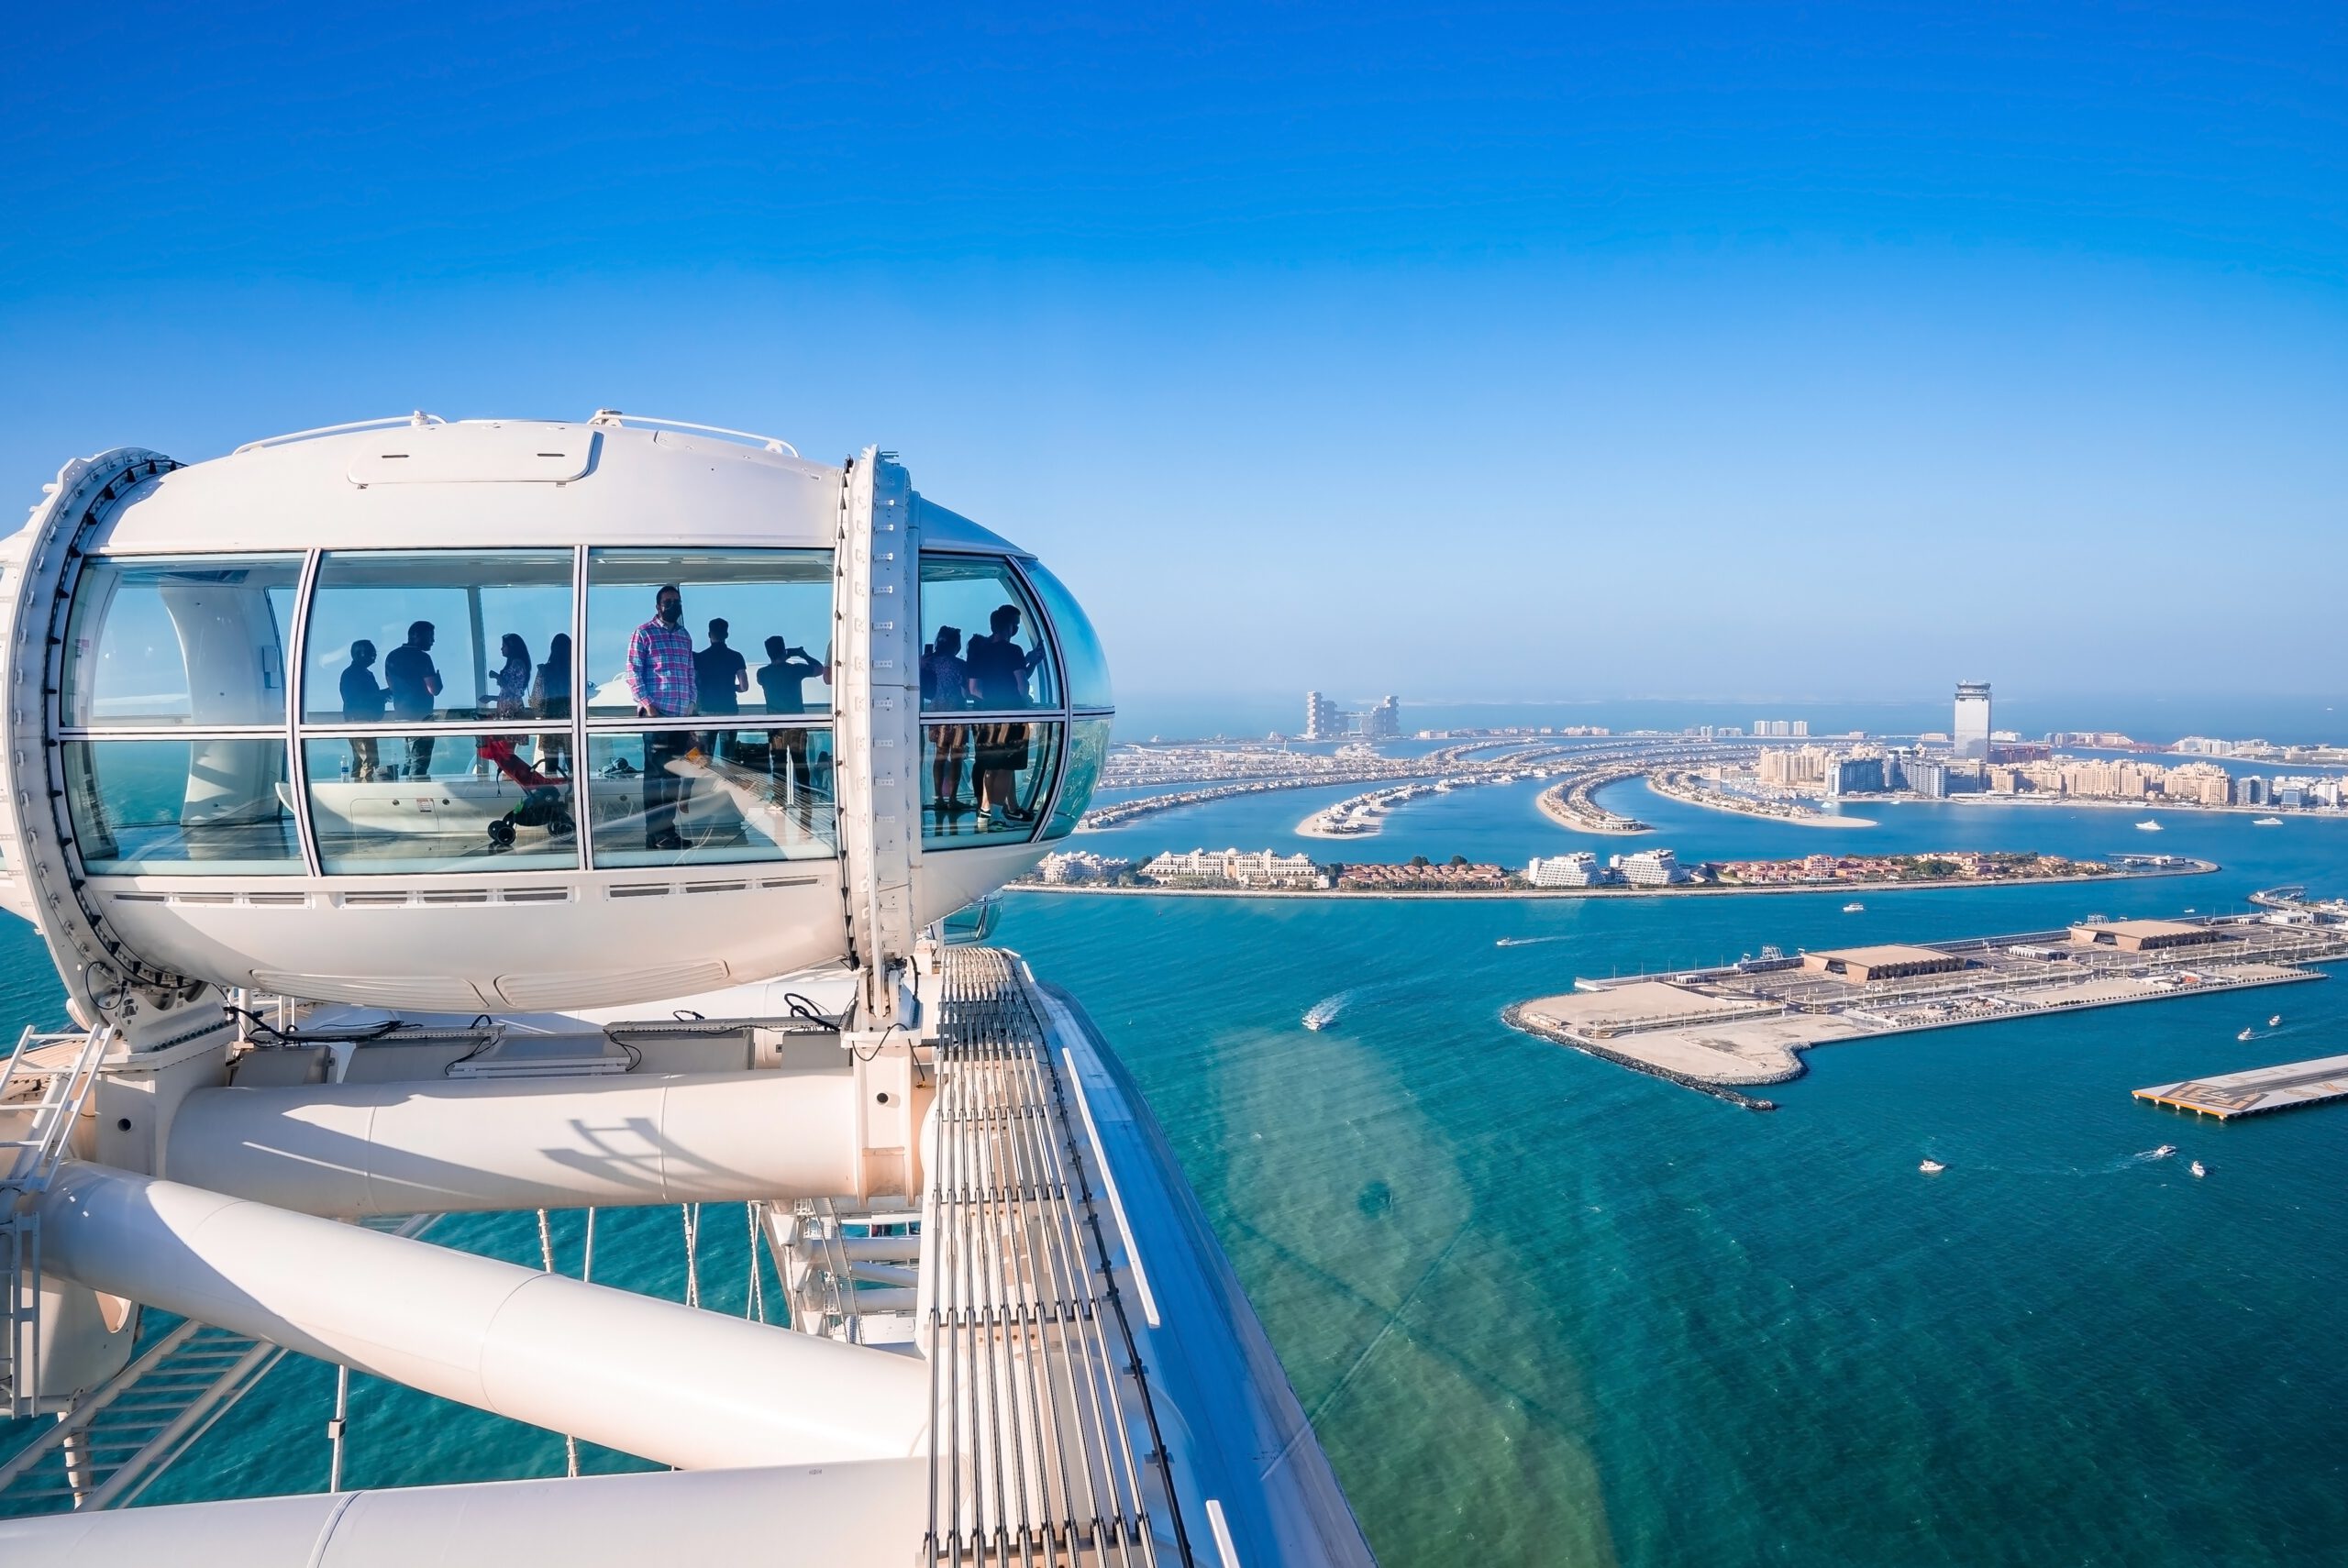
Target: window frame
<point>1060,716</point>
<point>153,729</point>
<point>826,716</point>
<point>294,732</point>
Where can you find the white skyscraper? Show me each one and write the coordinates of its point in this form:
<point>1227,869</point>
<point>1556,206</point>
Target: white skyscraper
<point>1970,732</point>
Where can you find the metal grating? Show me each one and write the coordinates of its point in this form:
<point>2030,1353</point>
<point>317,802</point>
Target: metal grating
<point>44,1084</point>
<point>1037,1399</point>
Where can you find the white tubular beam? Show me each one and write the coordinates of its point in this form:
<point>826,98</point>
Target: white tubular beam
<point>694,1389</point>
<point>863,1514</point>
<point>434,1147</point>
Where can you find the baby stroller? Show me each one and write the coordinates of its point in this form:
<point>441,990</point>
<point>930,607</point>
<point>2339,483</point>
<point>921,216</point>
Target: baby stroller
<point>543,803</point>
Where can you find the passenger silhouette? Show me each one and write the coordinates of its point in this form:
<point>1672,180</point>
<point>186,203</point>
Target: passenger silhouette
<point>550,699</point>
<point>782,681</point>
<point>945,686</point>
<point>720,674</point>
<point>720,677</point>
<point>415,682</point>
<point>512,676</point>
<point>363,699</point>
<point>998,671</point>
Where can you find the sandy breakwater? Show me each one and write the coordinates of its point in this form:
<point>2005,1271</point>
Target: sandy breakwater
<point>1713,800</point>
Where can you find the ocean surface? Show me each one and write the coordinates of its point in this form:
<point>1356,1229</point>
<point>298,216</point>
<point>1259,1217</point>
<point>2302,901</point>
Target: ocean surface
<point>1545,1310</point>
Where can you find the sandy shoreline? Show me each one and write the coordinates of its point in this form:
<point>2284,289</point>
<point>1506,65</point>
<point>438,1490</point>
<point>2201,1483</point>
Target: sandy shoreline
<point>2199,868</point>
<point>1705,799</point>
<point>1555,811</point>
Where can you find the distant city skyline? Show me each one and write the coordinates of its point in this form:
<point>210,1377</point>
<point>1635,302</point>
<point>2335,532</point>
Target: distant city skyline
<point>1512,353</point>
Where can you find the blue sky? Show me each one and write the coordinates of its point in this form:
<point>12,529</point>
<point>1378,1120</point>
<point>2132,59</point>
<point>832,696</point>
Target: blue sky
<point>1485,351</point>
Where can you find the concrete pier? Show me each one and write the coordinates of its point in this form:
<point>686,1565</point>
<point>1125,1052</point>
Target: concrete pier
<point>1749,1022</point>
<point>2257,1091</point>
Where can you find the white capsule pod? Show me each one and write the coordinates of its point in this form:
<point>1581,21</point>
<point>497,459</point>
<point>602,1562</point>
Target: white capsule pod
<point>506,715</point>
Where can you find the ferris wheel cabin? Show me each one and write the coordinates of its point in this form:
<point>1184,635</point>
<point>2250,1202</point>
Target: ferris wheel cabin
<point>432,818</point>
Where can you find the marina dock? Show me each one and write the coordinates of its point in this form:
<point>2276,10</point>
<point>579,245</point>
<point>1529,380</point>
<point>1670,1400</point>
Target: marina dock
<point>1749,1022</point>
<point>2257,1091</point>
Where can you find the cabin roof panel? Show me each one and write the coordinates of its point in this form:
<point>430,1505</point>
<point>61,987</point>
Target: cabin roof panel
<point>640,486</point>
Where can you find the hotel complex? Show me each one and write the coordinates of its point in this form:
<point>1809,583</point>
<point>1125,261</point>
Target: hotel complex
<point>1324,720</point>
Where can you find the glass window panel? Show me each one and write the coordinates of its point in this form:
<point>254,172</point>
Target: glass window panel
<point>438,636</point>
<point>707,798</point>
<point>193,640</point>
<point>182,808</point>
<point>965,662</point>
<point>1087,667</point>
<point>1088,753</point>
<point>753,634</point>
<point>438,802</point>
<point>985,782</point>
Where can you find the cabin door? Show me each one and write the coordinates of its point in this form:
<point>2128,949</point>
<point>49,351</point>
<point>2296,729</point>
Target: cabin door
<point>876,618</point>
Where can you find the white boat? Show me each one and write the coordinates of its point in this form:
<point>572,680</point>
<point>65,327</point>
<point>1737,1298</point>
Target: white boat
<point>2199,1169</point>
<point>1931,1167</point>
<point>2164,1151</point>
<point>502,954</point>
<point>2275,1022</point>
<point>2148,825</point>
<point>1853,909</point>
<point>2267,821</point>
<point>2247,1035</point>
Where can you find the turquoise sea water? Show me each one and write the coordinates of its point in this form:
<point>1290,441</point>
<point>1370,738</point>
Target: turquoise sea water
<point>1543,1310</point>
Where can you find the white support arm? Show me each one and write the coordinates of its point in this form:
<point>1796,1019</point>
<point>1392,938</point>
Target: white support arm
<point>864,1515</point>
<point>668,1381</point>
<point>353,1150</point>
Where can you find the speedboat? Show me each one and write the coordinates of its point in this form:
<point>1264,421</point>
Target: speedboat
<point>2165,1151</point>
<point>2267,821</point>
<point>2148,825</point>
<point>2275,1022</point>
<point>1931,1167</point>
<point>2199,1169</point>
<point>2245,1034</point>
<point>1855,909</point>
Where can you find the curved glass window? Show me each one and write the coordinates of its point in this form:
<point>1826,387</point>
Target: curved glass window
<point>752,635</point>
<point>438,636</point>
<point>711,797</point>
<point>1087,668</point>
<point>1088,753</point>
<point>980,645</point>
<point>431,800</point>
<point>985,781</point>
<point>182,808</point>
<point>197,640</point>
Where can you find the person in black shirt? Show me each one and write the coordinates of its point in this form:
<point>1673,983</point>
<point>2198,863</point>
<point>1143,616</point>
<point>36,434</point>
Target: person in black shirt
<point>415,681</point>
<point>362,704</point>
<point>720,676</point>
<point>998,670</point>
<point>550,699</point>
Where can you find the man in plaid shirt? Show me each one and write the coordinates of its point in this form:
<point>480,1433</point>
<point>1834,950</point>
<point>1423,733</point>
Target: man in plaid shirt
<point>661,676</point>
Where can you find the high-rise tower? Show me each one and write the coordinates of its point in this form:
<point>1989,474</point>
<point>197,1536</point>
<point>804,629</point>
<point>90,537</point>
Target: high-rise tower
<point>1970,731</point>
